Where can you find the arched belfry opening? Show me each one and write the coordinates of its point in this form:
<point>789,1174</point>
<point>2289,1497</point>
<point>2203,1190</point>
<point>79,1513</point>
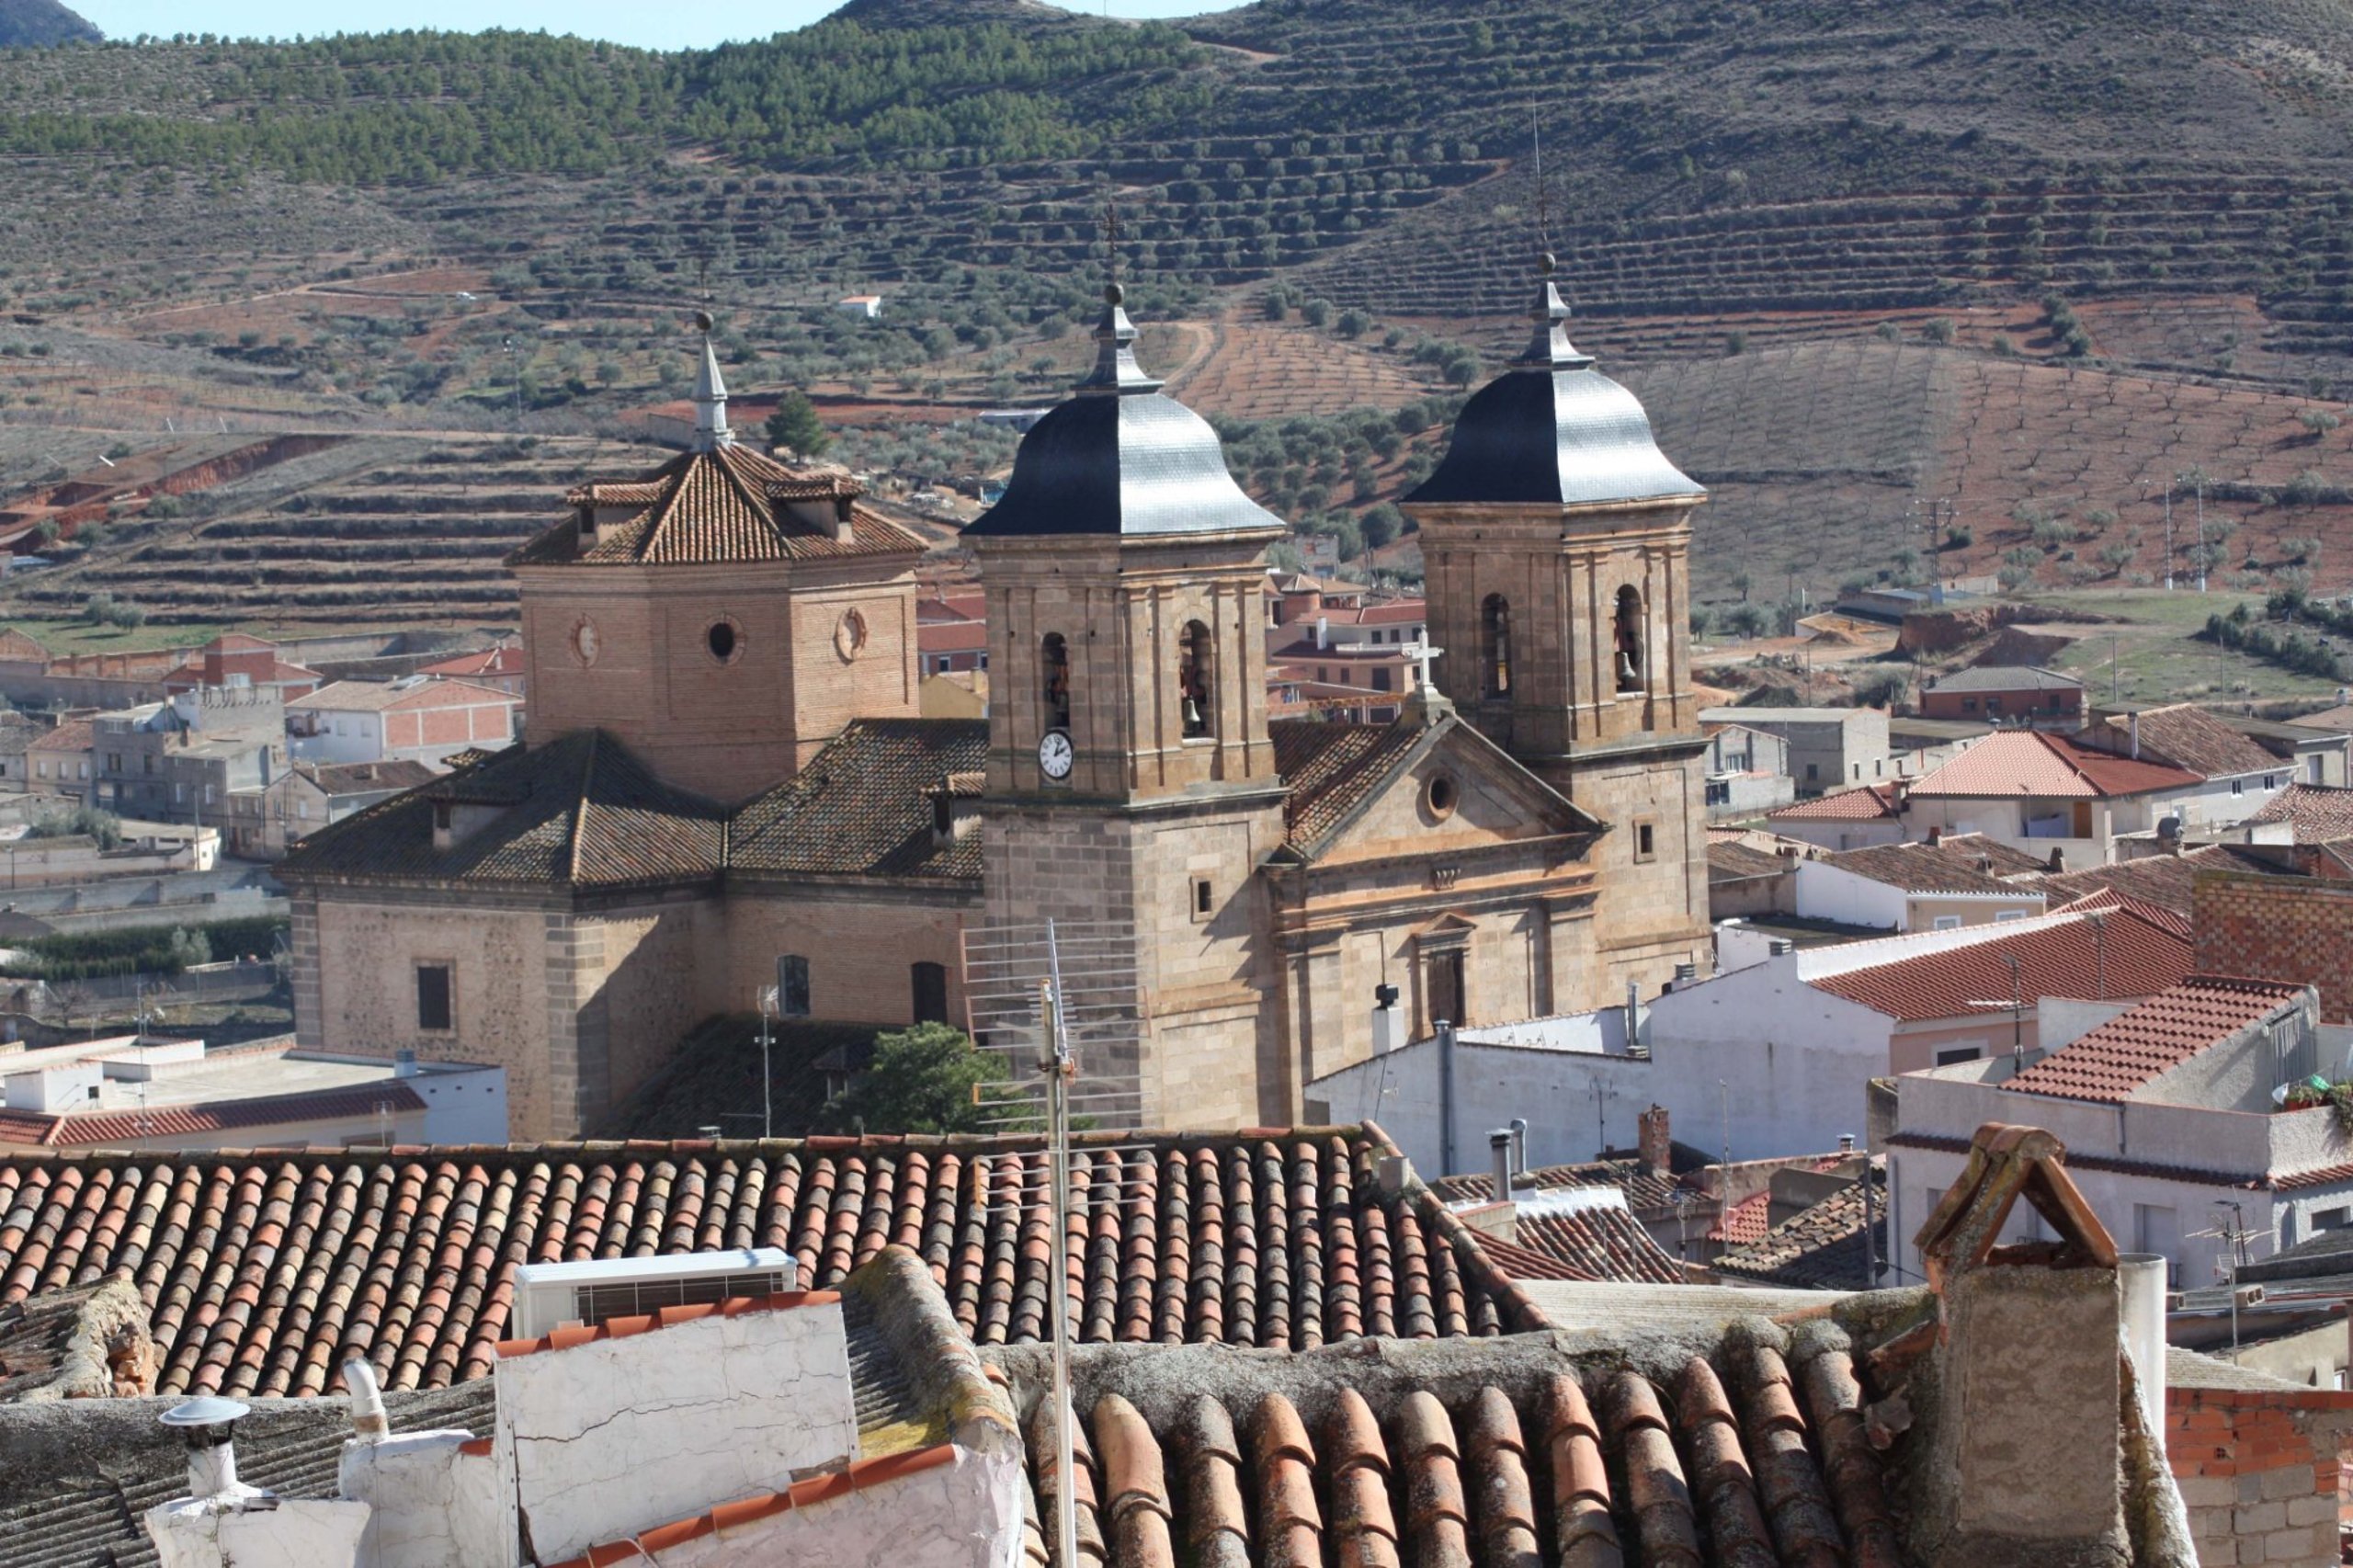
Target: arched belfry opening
<point>1053,680</point>
<point>1494,646</point>
<point>1195,681</point>
<point>1626,636</point>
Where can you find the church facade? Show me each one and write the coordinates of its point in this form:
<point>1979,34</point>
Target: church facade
<point>725,785</point>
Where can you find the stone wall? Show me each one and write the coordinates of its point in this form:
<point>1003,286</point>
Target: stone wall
<point>2259,1472</point>
<point>861,943</point>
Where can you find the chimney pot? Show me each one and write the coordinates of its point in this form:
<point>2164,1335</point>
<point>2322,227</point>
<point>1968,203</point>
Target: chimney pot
<point>1656,1148</point>
<point>1499,1161</point>
<point>1936,836</point>
<point>368,1423</point>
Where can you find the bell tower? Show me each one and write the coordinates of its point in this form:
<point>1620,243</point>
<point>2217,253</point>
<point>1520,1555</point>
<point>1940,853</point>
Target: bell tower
<point>1556,540</point>
<point>1130,773</point>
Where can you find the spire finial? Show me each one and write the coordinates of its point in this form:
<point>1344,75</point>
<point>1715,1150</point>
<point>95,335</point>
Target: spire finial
<point>1549,346</point>
<point>1116,370</point>
<point>710,393</point>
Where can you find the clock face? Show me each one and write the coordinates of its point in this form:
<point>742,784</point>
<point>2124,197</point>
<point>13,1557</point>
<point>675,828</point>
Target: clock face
<point>584,642</point>
<point>1055,755</point>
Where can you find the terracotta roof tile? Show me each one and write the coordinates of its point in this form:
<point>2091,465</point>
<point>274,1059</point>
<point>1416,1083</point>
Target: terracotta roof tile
<point>2319,813</point>
<point>1868,802</point>
<point>579,811</point>
<point>1731,861</point>
<point>2145,1041</point>
<point>2043,767</point>
<point>862,806</point>
<point>2161,880</point>
<point>1818,1248</point>
<point>2120,956</point>
<point>263,1272</point>
<point>2183,735</point>
<point>1918,867</point>
<point>87,1129</point>
<point>1596,1242</point>
<point>1332,768</point>
<point>724,507</point>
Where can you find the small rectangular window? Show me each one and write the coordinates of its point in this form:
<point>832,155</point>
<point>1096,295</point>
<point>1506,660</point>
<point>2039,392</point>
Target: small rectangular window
<point>1204,898</point>
<point>2239,786</point>
<point>1946,923</point>
<point>1813,771</point>
<point>433,1009</point>
<point>1966,1053</point>
<point>792,986</point>
<point>1645,841</point>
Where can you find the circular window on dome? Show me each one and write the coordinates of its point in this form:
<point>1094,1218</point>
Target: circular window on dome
<point>1439,796</point>
<point>849,635</point>
<point>725,639</point>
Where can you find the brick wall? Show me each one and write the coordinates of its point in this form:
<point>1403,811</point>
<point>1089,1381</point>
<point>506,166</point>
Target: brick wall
<point>2259,1472</point>
<point>2277,928</point>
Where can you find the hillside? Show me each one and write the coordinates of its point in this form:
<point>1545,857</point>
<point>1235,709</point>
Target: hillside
<point>1882,272</point>
<point>40,24</point>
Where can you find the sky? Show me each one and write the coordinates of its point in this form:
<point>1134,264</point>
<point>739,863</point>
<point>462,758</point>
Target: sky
<point>622,21</point>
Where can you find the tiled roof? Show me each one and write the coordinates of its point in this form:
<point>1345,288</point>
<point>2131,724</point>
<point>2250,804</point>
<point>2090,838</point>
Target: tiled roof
<point>2183,735</point>
<point>2120,956</point>
<point>1868,802</point>
<point>727,505</point>
<point>2339,718</point>
<point>2161,880</point>
<point>374,696</point>
<point>1332,768</point>
<point>360,777</point>
<point>2043,767</point>
<point>2145,1041</point>
<point>70,735</point>
<point>1716,1449</point>
<point>1818,1248</point>
<point>2007,677</point>
<point>1990,854</point>
<point>1647,1191</point>
<point>101,1129</point>
<point>2319,813</point>
<point>1596,1241</point>
<point>1731,861</point>
<point>862,807</point>
<point>2156,915</point>
<point>1918,867</point>
<point>578,812</point>
<point>264,1272</point>
<point>505,659</point>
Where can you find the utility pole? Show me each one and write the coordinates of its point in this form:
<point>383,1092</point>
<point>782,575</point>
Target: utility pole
<point>2168,536</point>
<point>2201,474</point>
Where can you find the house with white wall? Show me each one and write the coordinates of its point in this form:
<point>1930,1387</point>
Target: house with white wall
<point>2041,792</point>
<point>2240,775</point>
<point>1829,748</point>
<point>1748,772</point>
<point>1772,1056</point>
<point>415,719</point>
<point>2170,1112</point>
<point>1843,819</point>
<point>1918,887</point>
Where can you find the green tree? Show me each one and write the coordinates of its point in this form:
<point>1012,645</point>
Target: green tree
<point>922,1081</point>
<point>794,427</point>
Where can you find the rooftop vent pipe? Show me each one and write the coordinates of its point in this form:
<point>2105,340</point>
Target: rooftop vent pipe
<point>1499,1160</point>
<point>208,1425</point>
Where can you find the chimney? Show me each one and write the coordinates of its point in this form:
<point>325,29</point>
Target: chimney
<point>1322,631</point>
<point>2058,858</point>
<point>1655,1150</point>
<point>1846,1143</point>
<point>1519,1146</point>
<point>2135,723</point>
<point>2020,1456</point>
<point>1936,836</point>
<point>1499,1161</point>
<point>223,1523</point>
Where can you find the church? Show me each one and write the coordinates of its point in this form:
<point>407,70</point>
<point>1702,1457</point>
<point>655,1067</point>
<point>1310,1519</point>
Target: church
<point>726,785</point>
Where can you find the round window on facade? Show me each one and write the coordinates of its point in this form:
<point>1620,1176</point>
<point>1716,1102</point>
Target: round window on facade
<point>1439,796</point>
<point>724,641</point>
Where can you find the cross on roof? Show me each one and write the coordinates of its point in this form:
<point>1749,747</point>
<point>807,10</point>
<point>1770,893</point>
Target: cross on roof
<point>1421,653</point>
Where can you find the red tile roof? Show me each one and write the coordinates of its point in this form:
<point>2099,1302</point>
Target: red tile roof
<point>263,1273</point>
<point>2319,813</point>
<point>1818,1248</point>
<point>1869,803</point>
<point>2042,766</point>
<point>506,659</point>
<point>2120,956</point>
<point>2163,918</point>
<point>2163,879</point>
<point>2145,1041</point>
<point>1920,868</point>
<point>2183,735</point>
<point>99,1130</point>
<point>1597,1241</point>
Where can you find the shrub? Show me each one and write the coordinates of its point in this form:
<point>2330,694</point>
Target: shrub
<point>2318,421</point>
<point>1939,330</point>
<point>1959,538</point>
<point>2301,548</point>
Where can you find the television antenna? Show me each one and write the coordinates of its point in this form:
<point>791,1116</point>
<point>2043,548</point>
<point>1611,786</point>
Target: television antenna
<point>1063,999</point>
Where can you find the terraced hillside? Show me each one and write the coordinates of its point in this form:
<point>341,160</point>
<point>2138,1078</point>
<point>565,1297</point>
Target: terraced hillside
<point>391,529</point>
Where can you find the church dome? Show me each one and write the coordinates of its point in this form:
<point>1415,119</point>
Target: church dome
<point>1552,430</point>
<point>1120,457</point>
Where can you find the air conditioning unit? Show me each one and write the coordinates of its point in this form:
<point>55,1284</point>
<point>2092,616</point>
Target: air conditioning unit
<point>549,1296</point>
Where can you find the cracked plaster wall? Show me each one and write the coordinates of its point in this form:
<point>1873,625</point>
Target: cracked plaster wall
<point>295,1533</point>
<point>618,1436</point>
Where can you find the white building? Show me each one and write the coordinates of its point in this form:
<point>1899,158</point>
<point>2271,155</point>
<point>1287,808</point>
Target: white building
<point>1748,772</point>
<point>415,719</point>
<point>1918,887</point>
<point>1771,1057</point>
<point>133,1092</point>
<point>2167,1111</point>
